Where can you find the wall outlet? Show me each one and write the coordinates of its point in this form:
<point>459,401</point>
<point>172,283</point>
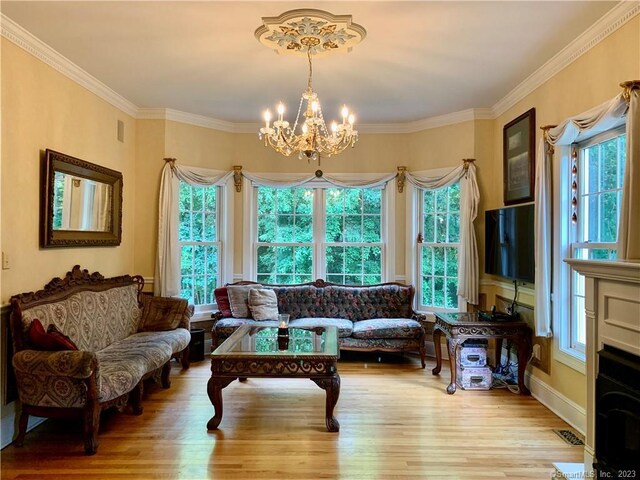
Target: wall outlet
<point>537,354</point>
<point>5,261</point>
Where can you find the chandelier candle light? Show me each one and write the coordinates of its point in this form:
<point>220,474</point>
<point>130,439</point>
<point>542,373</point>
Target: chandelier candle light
<point>309,32</point>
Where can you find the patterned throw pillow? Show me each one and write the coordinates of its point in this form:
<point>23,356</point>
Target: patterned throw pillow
<point>222,300</point>
<point>263,304</point>
<point>51,340</point>
<point>161,314</point>
<point>239,299</point>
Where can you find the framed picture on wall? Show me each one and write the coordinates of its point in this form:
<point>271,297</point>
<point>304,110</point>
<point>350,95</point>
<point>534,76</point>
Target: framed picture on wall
<point>519,143</point>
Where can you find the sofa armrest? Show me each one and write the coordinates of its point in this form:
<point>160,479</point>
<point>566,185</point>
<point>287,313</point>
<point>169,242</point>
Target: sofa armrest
<point>67,363</point>
<point>165,313</point>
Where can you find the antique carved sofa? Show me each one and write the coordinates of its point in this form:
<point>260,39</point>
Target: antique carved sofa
<point>112,339</point>
<point>368,318</point>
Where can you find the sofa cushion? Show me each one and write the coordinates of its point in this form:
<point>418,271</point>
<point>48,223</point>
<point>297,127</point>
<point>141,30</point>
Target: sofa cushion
<point>163,313</point>
<point>92,320</point>
<point>301,301</point>
<point>239,299</point>
<point>123,364</point>
<point>365,303</point>
<point>51,340</point>
<point>387,328</point>
<point>222,300</point>
<point>263,304</point>
<point>345,327</point>
<point>226,326</point>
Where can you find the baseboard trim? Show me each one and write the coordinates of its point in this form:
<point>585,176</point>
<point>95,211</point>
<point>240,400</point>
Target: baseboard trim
<point>566,409</point>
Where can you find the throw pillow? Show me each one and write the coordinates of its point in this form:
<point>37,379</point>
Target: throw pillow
<point>239,299</point>
<point>263,304</point>
<point>51,340</point>
<point>161,314</point>
<point>222,299</point>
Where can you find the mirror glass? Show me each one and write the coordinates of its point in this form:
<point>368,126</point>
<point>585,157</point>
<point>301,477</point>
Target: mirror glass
<point>80,204</point>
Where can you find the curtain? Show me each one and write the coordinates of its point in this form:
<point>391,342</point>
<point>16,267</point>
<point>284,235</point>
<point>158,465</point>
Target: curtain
<point>167,276</point>
<point>468,274</point>
<point>629,238</point>
<point>343,180</point>
<point>596,120</point>
<point>101,207</point>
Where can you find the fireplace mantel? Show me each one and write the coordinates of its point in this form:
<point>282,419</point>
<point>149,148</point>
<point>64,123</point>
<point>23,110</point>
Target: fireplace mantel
<point>612,307</point>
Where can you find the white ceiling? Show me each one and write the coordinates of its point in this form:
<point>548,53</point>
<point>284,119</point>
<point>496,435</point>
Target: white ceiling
<point>419,60</point>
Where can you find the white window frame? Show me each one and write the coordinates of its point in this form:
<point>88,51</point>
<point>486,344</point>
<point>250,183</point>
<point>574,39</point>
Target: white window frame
<point>249,267</point>
<point>419,247</point>
<point>566,350</point>
<point>224,237</point>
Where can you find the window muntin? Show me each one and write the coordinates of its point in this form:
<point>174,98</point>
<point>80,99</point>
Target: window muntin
<point>438,252</point>
<point>284,247</point>
<point>600,172</point>
<point>353,236</point>
<point>198,235</point>
<point>307,233</point>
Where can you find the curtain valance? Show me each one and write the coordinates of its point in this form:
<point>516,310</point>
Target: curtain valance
<point>342,180</point>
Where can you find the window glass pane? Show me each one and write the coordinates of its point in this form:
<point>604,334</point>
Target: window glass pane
<point>266,200</point>
<point>427,261</point>
<point>441,228</point>
<point>266,257</point>
<point>371,229</point>
<point>441,199</point>
<point>429,230</point>
<point>335,200</point>
<point>212,260</point>
<point>352,280</point>
<point>334,228</point>
<point>198,199</point>
<point>304,201</point>
<point>186,260</point>
<point>266,279</point>
<point>284,259</point>
<point>266,228</point>
<point>427,290</point>
<point>184,230</point>
<point>372,260</point>
<point>353,260</point>
<point>284,229</point>
<point>303,260</point>
<point>372,279</point>
<point>609,165</point>
<point>454,227</point>
<point>454,198</point>
<point>438,261</point>
<point>452,261</point>
<point>303,228</point>
<point>198,290</point>
<point>622,149</point>
<point>353,228</point>
<point>590,174</point>
<point>335,259</point>
<point>284,201</point>
<point>184,194</point>
<point>438,292</point>
<point>353,201</point>
<point>609,218</point>
<point>210,199</point>
<point>372,201</point>
<point>335,279</point>
<point>198,227</point>
<point>186,288</point>
<point>451,294</point>
<point>429,201</point>
<point>199,260</point>
<point>210,227</point>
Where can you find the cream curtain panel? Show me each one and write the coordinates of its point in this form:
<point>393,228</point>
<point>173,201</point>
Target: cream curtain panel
<point>468,274</point>
<point>167,276</point>
<point>599,119</point>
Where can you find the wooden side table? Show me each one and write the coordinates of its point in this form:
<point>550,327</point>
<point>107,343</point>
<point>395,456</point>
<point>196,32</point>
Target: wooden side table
<point>458,327</point>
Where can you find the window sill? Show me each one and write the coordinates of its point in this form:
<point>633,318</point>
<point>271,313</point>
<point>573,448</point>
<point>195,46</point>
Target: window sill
<point>571,358</point>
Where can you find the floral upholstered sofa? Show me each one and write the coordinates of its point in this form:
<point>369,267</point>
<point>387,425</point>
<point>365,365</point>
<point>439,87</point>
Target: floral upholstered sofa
<point>368,318</point>
<point>85,343</point>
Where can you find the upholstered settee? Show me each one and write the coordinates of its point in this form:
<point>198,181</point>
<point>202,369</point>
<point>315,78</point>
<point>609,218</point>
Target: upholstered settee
<point>368,318</point>
<point>86,343</point>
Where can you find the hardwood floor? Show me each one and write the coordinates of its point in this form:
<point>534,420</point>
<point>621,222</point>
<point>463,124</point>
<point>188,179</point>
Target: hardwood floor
<point>396,422</point>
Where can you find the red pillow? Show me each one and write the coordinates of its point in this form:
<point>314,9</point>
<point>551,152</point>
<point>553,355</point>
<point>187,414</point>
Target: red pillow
<point>222,299</point>
<point>51,340</point>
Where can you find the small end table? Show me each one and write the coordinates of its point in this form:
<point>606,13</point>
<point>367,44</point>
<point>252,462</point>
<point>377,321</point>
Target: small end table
<point>458,327</point>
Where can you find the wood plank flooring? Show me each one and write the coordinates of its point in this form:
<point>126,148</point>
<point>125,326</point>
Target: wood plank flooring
<point>396,422</point>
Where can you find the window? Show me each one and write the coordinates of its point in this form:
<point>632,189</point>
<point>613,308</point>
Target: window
<point>599,171</point>
<point>353,240</point>
<point>199,243</point>
<point>307,233</point>
<point>284,247</point>
<point>438,252</point>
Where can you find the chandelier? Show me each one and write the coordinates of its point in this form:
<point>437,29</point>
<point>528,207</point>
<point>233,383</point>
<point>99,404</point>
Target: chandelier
<point>309,32</point>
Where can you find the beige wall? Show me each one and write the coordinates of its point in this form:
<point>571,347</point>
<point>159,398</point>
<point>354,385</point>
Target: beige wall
<point>589,81</point>
<point>47,110</point>
<point>44,109</point>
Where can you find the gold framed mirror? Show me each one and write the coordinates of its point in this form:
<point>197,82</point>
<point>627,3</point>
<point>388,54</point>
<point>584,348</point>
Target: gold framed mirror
<point>80,203</point>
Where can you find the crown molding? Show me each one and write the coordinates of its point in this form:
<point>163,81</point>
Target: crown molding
<point>43,52</point>
<point>605,26</point>
<point>185,117</point>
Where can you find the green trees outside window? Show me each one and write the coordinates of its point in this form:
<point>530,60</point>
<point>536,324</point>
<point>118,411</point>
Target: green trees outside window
<point>438,254</point>
<point>200,248</point>
<point>347,231</point>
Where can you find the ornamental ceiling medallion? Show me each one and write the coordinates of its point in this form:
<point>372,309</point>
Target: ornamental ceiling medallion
<point>304,31</point>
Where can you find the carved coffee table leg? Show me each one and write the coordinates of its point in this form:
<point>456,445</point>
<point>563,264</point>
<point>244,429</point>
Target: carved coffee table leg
<point>332,387</point>
<point>452,344</point>
<point>437,335</point>
<point>214,389</point>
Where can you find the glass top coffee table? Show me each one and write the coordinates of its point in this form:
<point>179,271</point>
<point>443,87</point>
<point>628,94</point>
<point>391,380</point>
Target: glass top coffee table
<point>277,352</point>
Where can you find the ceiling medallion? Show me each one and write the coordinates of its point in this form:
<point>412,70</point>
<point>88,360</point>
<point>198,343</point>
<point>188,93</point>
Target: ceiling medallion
<point>307,33</point>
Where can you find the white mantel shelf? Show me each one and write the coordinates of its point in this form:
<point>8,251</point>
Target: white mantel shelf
<point>612,310</point>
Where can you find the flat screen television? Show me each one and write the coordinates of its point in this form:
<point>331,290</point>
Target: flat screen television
<point>509,243</point>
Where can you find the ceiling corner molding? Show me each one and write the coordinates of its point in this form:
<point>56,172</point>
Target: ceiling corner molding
<point>43,52</point>
<point>605,26</point>
<point>251,127</point>
<point>190,119</point>
<point>441,120</point>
